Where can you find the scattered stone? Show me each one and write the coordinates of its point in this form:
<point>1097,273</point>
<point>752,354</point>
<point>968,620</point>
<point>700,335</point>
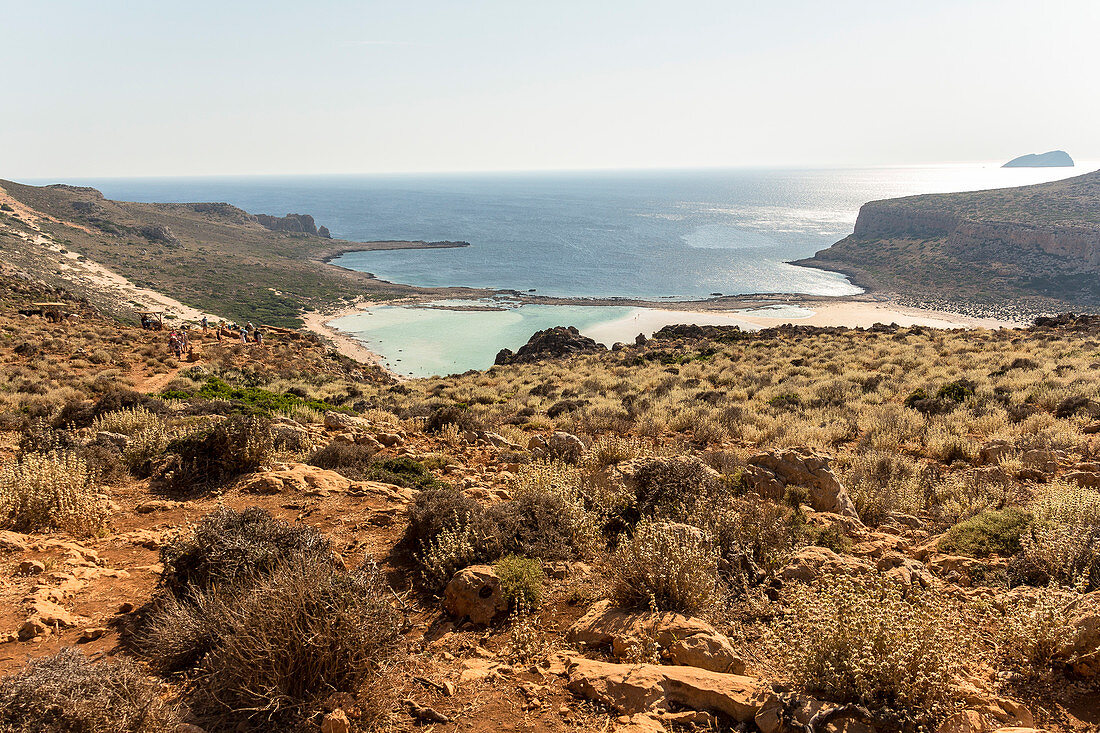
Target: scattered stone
<point>92,634</point>
<point>12,542</point>
<point>1087,479</point>
<point>368,440</point>
<point>964,721</point>
<point>499,441</point>
<point>389,439</point>
<point>336,722</point>
<point>771,473</point>
<point>343,421</point>
<point>156,505</point>
<point>295,477</point>
<point>426,714</point>
<point>561,446</point>
<point>1082,651</point>
<point>477,670</point>
<point>475,593</point>
<point>103,437</point>
<point>995,450</point>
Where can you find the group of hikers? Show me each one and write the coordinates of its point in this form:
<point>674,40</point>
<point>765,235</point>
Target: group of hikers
<point>248,334</point>
<point>179,340</point>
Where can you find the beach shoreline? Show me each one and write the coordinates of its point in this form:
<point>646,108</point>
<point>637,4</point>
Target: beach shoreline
<point>859,311</point>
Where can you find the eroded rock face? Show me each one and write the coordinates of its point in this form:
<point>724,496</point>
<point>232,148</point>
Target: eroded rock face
<point>811,563</point>
<point>560,445</point>
<point>683,640</point>
<point>642,688</point>
<point>554,342</point>
<point>770,473</point>
<point>475,593</point>
<point>1082,652</point>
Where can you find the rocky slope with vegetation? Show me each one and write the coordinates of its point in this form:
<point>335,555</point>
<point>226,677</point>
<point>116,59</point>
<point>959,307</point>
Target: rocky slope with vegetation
<point>1038,244</point>
<point>798,529</point>
<point>211,256</point>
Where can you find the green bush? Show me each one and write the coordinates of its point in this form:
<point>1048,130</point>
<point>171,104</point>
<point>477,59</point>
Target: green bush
<point>521,580</point>
<point>957,391</point>
<point>248,400</point>
<point>988,533</point>
<point>68,693</point>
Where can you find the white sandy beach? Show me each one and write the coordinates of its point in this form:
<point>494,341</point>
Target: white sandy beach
<point>407,340</point>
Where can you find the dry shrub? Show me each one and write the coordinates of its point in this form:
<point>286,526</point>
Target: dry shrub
<point>67,693</point>
<point>753,537</point>
<point>211,456</point>
<point>348,459</point>
<point>129,421</point>
<point>265,656</point>
<point>1034,630</point>
<point>51,491</point>
<point>882,483</point>
<point>1062,544</point>
<point>665,567</point>
<point>865,641</point>
<point>227,546</point>
<point>671,487</point>
<point>547,516</point>
<point>447,531</point>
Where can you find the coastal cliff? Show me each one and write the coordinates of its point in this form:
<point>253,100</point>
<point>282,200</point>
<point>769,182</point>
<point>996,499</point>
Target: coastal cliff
<point>1041,240</point>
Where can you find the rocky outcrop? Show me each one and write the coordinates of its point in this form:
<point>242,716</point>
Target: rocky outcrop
<point>554,342</point>
<point>682,640</point>
<point>651,688</point>
<point>559,445</point>
<point>159,234</point>
<point>1082,650</point>
<point>295,223</point>
<point>772,474</point>
<point>1049,159</point>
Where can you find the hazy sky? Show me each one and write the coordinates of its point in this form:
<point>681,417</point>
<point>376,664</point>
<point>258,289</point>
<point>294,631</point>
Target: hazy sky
<point>112,88</point>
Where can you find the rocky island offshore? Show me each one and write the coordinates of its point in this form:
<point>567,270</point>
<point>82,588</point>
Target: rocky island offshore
<point>1051,159</point>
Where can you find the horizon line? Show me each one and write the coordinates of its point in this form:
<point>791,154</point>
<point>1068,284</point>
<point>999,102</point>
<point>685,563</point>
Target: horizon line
<point>1078,164</point>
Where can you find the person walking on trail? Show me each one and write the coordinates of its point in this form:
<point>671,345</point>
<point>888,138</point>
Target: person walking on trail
<point>244,336</point>
<point>205,324</point>
<point>258,337</point>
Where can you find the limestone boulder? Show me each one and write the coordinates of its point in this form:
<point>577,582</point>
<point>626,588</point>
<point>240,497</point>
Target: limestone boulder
<point>1082,651</point>
<point>12,542</point>
<point>994,451</point>
<point>683,640</point>
<point>343,421</point>
<point>475,593</point>
<point>771,473</point>
<point>295,478</point>
<point>559,446</point>
<point>651,688</point>
<point>811,563</point>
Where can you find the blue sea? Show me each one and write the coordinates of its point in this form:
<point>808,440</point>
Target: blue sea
<point>642,234</point>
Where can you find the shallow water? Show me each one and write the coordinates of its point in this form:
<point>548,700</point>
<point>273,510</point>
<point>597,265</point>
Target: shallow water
<point>425,341</point>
